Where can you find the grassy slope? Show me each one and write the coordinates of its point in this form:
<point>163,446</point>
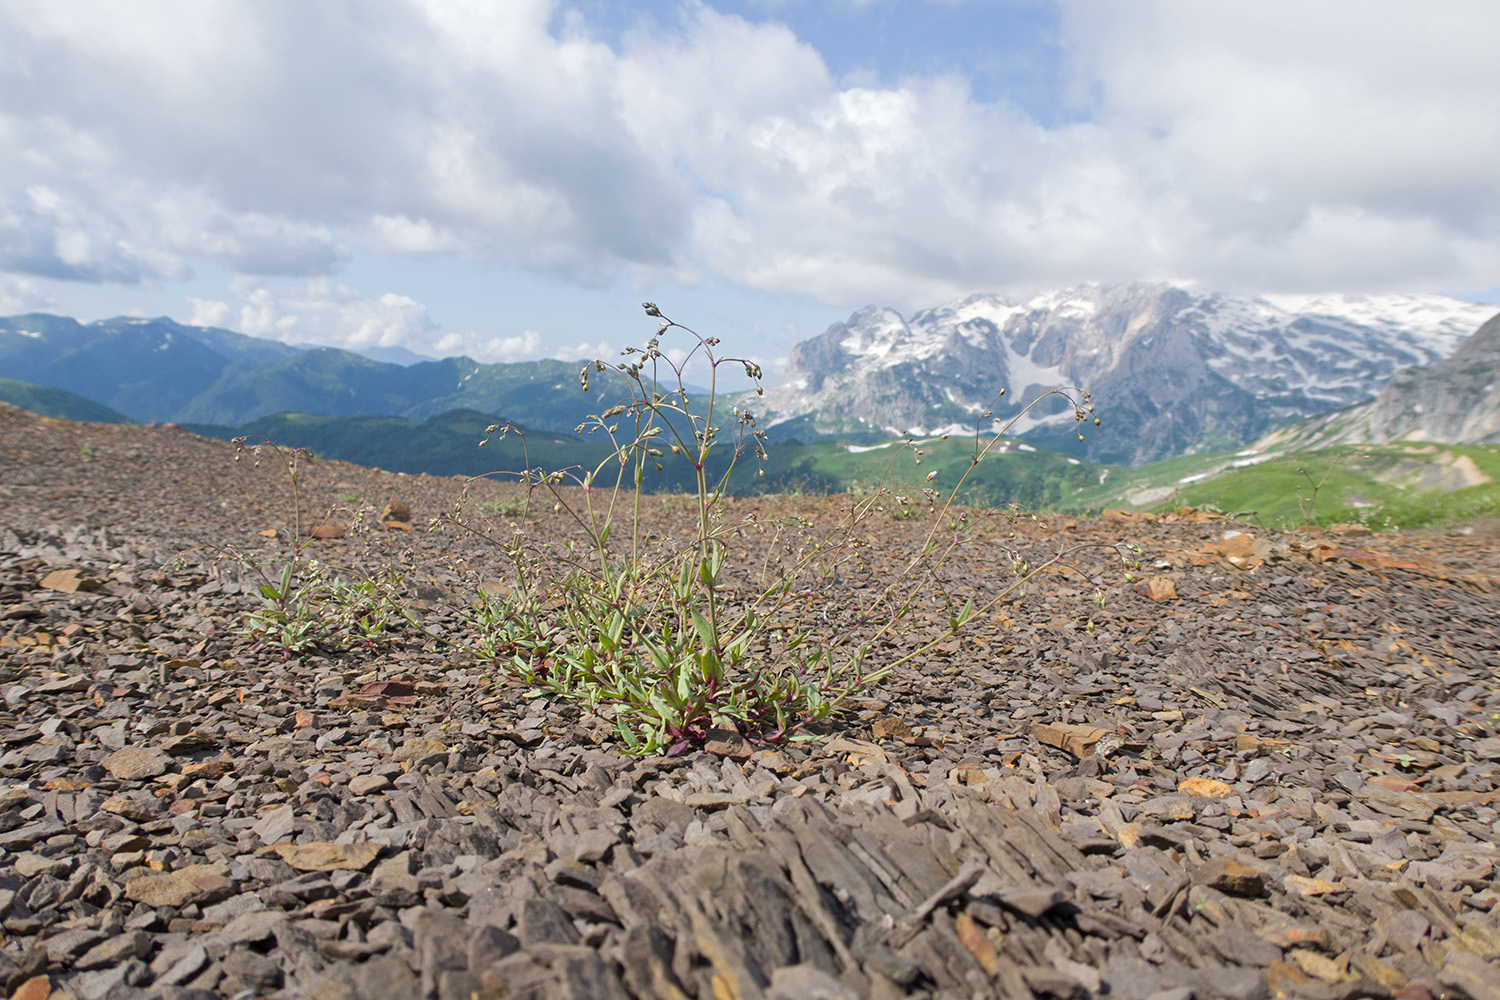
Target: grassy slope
<point>1403,484</point>
<point>50,402</point>
<point>447,444</point>
<point>1011,473</point>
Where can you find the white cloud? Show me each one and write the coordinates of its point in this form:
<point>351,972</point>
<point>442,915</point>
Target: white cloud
<point>1278,145</point>
<point>331,313</point>
<point>22,295</point>
<point>323,311</point>
<point>526,344</point>
<point>208,312</point>
<point>1332,144</point>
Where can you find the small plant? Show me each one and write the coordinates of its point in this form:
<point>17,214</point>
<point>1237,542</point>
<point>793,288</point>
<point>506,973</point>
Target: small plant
<point>648,631</point>
<point>301,608</point>
<point>900,505</point>
<point>1307,506</point>
<point>285,620</point>
<point>509,507</point>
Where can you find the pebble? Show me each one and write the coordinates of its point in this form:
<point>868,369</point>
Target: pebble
<point>136,764</point>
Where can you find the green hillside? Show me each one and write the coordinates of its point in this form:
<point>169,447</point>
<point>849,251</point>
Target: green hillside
<point>444,445</point>
<point>1397,485</point>
<point>50,402</point>
<point>448,444</point>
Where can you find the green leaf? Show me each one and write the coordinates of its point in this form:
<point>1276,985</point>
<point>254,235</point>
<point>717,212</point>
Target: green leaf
<point>661,707</point>
<point>659,657</point>
<point>707,635</point>
<point>710,666</point>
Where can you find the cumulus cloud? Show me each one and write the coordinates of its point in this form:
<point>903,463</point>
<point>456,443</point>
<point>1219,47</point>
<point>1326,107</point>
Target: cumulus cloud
<point>1334,144</point>
<point>22,295</point>
<point>331,313</point>
<point>1278,145</point>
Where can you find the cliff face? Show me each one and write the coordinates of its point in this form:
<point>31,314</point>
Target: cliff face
<point>1171,371</point>
<point>1456,400</point>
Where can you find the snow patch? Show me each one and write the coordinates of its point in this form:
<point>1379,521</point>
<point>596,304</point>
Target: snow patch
<point>1254,460</point>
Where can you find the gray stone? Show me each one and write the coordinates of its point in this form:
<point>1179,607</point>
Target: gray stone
<point>276,825</point>
<point>585,976</point>
<point>369,784</point>
<point>806,982</point>
<point>63,948</point>
<point>185,967</point>
<point>389,934</point>
<point>136,764</point>
<point>106,984</point>
<point>246,969</point>
<point>255,927</point>
<point>1225,983</point>
<point>541,921</point>
<point>385,977</point>
<point>131,944</point>
<point>488,944</point>
<point>440,941</point>
<point>1473,975</point>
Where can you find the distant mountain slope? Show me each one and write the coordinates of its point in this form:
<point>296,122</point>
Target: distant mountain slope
<point>1172,371</point>
<point>49,402</point>
<point>446,444</point>
<point>1454,401</point>
<point>160,370</point>
<point>147,369</point>
<point>331,382</point>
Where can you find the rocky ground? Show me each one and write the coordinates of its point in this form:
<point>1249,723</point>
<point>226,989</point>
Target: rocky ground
<point>1264,766</point>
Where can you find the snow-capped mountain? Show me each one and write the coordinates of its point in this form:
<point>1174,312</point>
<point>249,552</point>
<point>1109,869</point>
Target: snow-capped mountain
<point>1454,401</point>
<point>1172,371</point>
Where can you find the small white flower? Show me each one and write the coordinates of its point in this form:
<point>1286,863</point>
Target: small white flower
<point>932,475</point>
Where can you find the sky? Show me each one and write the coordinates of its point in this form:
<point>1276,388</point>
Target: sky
<point>510,180</point>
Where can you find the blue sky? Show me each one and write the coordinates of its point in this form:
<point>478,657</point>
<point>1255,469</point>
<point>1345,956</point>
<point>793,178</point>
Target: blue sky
<point>511,180</point>
<point>1010,51</point>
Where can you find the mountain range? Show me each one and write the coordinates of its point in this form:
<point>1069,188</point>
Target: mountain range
<point>159,370</point>
<point>1172,371</point>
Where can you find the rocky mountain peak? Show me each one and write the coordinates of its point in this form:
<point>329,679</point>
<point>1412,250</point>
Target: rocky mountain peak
<point>1174,369</point>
